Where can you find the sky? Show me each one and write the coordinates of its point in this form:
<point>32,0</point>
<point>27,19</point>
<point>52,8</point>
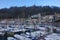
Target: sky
<point>19,3</point>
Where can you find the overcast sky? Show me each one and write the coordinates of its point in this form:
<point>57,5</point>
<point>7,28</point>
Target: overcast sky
<point>10,3</point>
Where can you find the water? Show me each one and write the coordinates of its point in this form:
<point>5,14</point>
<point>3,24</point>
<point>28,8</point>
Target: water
<point>2,38</point>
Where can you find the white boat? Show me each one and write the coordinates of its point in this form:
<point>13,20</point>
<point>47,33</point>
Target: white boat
<point>21,37</point>
<point>53,36</point>
<point>11,38</point>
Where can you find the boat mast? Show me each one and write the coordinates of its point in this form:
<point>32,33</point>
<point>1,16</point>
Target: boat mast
<point>18,22</point>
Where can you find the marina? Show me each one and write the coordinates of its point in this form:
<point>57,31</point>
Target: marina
<point>30,30</point>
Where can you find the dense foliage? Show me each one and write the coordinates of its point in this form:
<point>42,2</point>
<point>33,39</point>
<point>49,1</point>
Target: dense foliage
<point>24,12</point>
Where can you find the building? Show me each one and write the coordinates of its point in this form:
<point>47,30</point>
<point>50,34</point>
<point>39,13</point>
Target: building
<point>57,16</point>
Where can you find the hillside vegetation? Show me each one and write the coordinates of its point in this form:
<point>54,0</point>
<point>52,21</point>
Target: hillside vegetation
<point>25,12</point>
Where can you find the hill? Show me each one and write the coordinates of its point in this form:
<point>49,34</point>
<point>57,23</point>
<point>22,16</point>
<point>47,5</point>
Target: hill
<point>25,12</point>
